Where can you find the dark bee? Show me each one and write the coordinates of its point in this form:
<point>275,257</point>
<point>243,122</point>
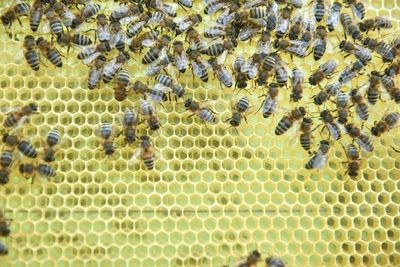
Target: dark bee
<point>240,77</point>
<point>4,176</point>
<point>113,66</point>
<point>182,24</point>
<point>357,7</point>
<point>149,112</point>
<point>329,122</point>
<point>52,140</point>
<point>319,9</point>
<point>282,25</point>
<point>297,48</point>
<point>36,14</point>
<point>213,6</point>
<point>136,26</point>
<point>296,28</point>
<point>297,84</point>
<point>105,133</point>
<point>199,65</point>
<point>129,123</point>
<point>251,260</point>
<point>360,104</point>
<point>270,102</point>
<point>103,28</point>
<point>88,11</point>
<point>96,70</point>
<point>185,3</point>
<point>14,13</point>
<point>388,121</point>
<point>166,8</point>
<point>320,42</point>
<point>361,138</point>
<point>342,105</point>
<point>124,11</point>
<point>27,149</point>
<point>274,262</point>
<point>30,52</point>
<point>3,249</point>
<point>139,41</point>
<point>323,71</point>
<point>353,160</point>
<point>332,19</point>
<point>54,22</point>
<point>20,116</point>
<point>375,23</point>
<point>281,73</point>
<point>51,53</point>
<point>288,120</point>
<point>393,69</point>
<point>146,152</point>
<point>217,49</point>
<point>123,80</point>
<point>195,40</point>
<point>374,83</point>
<point>11,141</point>
<point>78,39</point>
<point>383,49</point>
<point>252,13</point>
<point>306,133</point>
<point>63,12</point>
<point>222,73</point>
<point>349,27</point>
<point>180,59</point>
<point>239,111</point>
<point>170,82</point>
<point>319,159</point>
<point>359,51</point>
<point>351,71</point>
<point>42,170</point>
<point>4,225</point>
<point>154,53</point>
<point>45,171</point>
<point>90,53</point>
<point>6,159</point>
<point>205,114</point>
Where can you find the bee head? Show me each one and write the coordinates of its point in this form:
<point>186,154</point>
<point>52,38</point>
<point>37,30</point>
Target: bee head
<point>362,26</point>
<point>324,143</point>
<point>307,120</point>
<point>302,111</point>
<point>33,107</point>
<point>5,232</point>
<point>375,131</point>
<point>256,253</point>
<point>188,103</point>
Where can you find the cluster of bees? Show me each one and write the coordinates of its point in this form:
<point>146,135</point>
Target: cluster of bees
<point>170,44</point>
<point>255,257</point>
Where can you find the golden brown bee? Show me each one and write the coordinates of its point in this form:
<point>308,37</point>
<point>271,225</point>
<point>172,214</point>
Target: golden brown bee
<point>122,81</point>
<point>323,71</point>
<point>180,58</point>
<point>361,138</point>
<point>4,225</point>
<point>288,120</point>
<point>146,152</point>
<point>30,52</point>
<point>388,121</point>
<point>129,122</point>
<point>205,114</point>
<point>51,145</point>
<point>51,53</point>
<point>375,23</point>
<point>20,116</point>
<point>88,11</point>
<point>14,13</point>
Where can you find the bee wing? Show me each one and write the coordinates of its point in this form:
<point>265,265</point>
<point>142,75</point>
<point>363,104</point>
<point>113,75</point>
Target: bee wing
<point>162,88</point>
<point>115,38</point>
<point>247,32</point>
<point>222,58</point>
<point>252,3</point>
<point>21,122</point>
<point>135,156</point>
<point>332,130</point>
<point>94,75</point>
<point>103,33</point>
<point>356,11</point>
<point>148,42</point>
<point>46,26</point>
<point>320,161</point>
<point>282,25</point>
<point>181,61</point>
<point>90,59</point>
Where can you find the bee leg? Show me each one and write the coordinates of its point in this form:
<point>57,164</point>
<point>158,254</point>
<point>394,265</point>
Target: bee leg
<point>396,150</point>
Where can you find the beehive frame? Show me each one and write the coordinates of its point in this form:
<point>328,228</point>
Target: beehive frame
<point>213,196</point>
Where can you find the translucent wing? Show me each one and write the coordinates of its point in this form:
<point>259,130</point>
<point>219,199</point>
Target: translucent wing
<point>356,11</point>
<point>282,25</point>
<point>135,156</point>
<point>198,69</point>
<point>334,131</point>
<point>94,75</point>
<point>90,58</point>
<point>103,33</point>
<point>46,26</point>
<point>181,61</point>
<point>320,161</point>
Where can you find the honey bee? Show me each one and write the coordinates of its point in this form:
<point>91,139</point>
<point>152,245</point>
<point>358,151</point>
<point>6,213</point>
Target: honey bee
<point>351,71</point>
<point>52,140</point>
<point>357,7</point>
<point>180,59</point>
<point>10,140</point>
<point>142,40</point>
<point>20,116</point>
<point>89,10</point>
<point>53,23</point>
<point>296,28</point>
<point>281,73</point>
<point>216,49</point>
<point>14,13</point>
<point>251,13</point>
<point>129,123</point>
<point>297,84</point>
<point>373,92</point>
<point>306,133</point>
<point>289,119</point>
<point>383,49</point>
<point>64,13</point>
<point>342,105</point>
<point>27,149</point>
<point>391,88</point>
<point>240,77</point>
<point>36,13</point>
<point>349,27</point>
<point>329,123</point>
<point>172,83</point>
<point>251,260</point>
<point>102,28</point>
<point>218,30</point>
<point>358,51</point>
<point>270,102</point>
<point>199,65</point>
<point>323,71</point>
<point>353,160</point>
<point>4,225</point>
<point>213,6</point>
<point>264,43</point>
<point>185,3</point>
<point>113,66</point>
<point>332,19</point>
<point>159,5</point>
<point>247,31</point>
<point>88,54</point>
<point>121,83</point>
<point>30,52</point>
<point>222,73</point>
<point>146,152</point>
<point>361,106</point>
<point>294,47</point>
<point>117,36</point>
<point>319,159</point>
<point>251,66</point>
<point>154,53</point>
<point>74,39</point>
<point>31,170</point>
<point>156,93</point>
<point>164,61</point>
<point>393,69</point>
<point>320,42</point>
<point>125,11</point>
<point>95,71</point>
<point>4,176</point>
<point>136,26</point>
<point>204,113</point>
<point>375,23</point>
<point>6,158</point>
<point>388,121</point>
<point>51,53</point>
<point>186,22</point>
<point>239,111</point>
<point>274,262</point>
<point>319,9</point>
<point>3,249</point>
<point>282,25</point>
<point>361,138</point>
<point>195,40</point>
<point>149,112</point>
<point>105,133</point>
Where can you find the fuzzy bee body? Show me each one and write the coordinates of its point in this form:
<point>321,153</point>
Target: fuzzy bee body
<point>27,149</point>
<point>288,120</point>
<point>45,170</point>
<point>318,160</point>
<point>6,158</point>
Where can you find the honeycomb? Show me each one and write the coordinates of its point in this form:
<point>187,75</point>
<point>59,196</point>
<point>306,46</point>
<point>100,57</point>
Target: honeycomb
<point>214,195</point>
